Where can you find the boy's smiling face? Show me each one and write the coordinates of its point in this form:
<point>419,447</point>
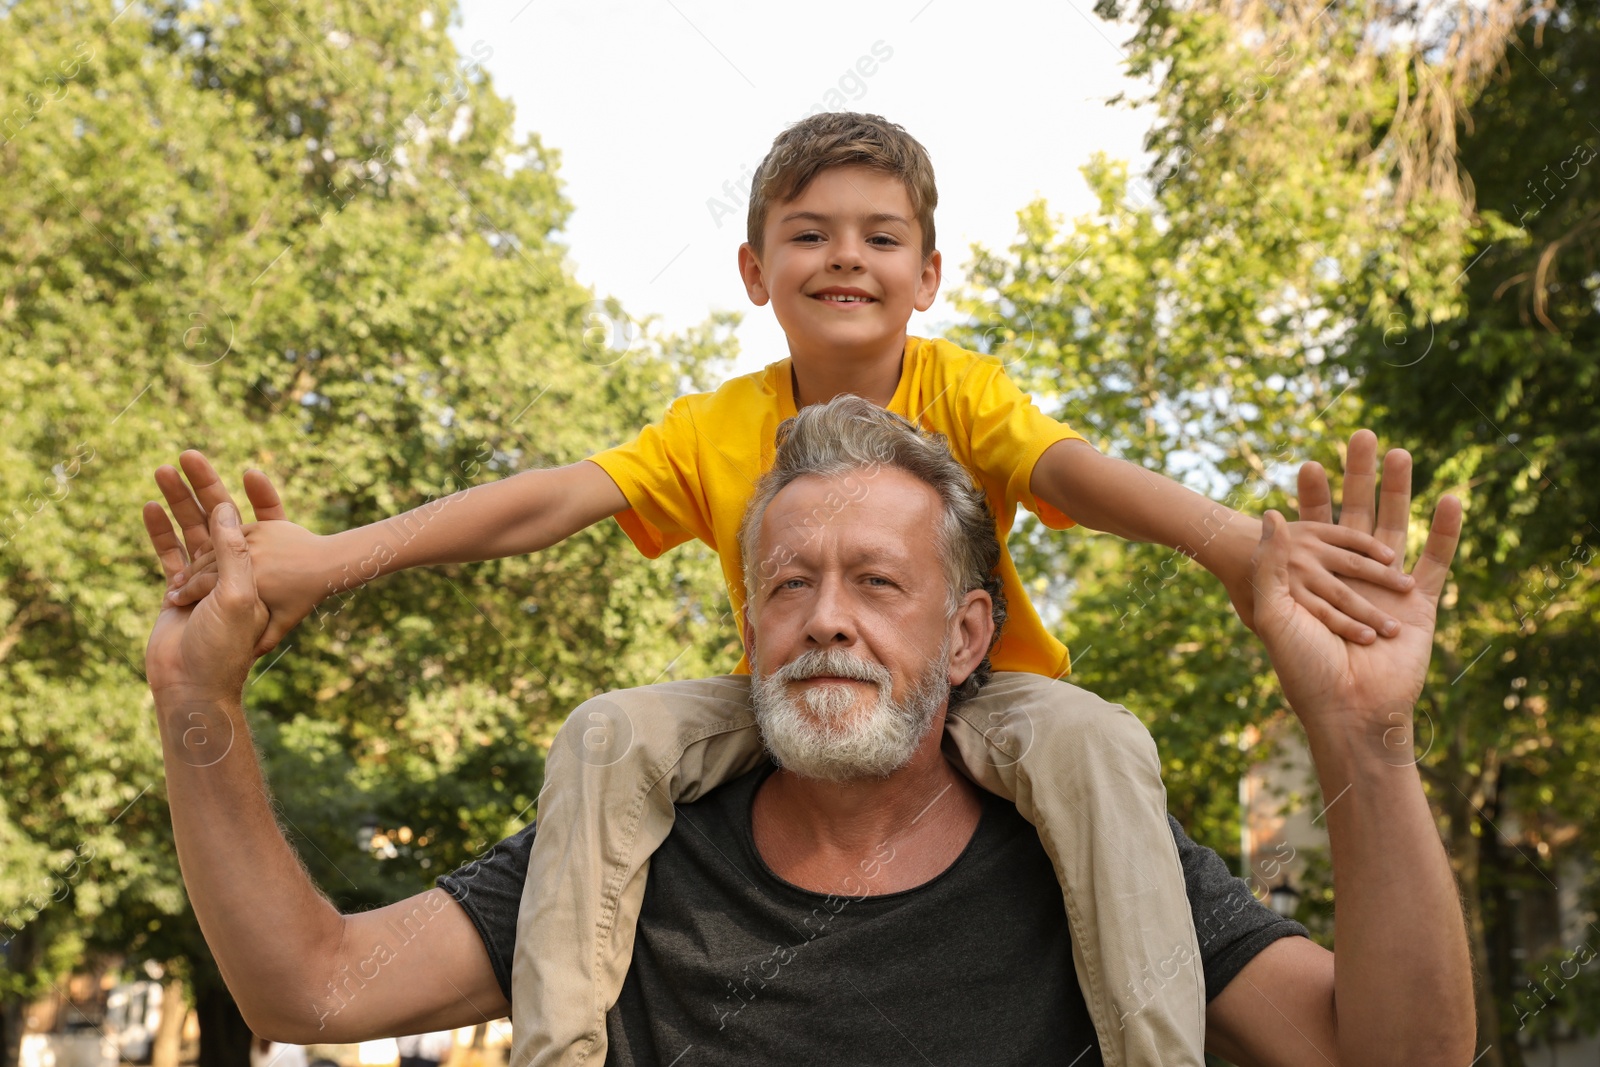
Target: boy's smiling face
<point>842,264</point>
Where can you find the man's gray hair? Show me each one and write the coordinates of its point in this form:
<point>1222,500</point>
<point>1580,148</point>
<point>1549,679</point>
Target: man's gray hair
<point>849,435</point>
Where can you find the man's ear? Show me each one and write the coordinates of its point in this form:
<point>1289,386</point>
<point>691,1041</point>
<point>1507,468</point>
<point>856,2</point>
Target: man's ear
<point>928,284</point>
<point>749,633</point>
<point>971,629</point>
<point>755,285</point>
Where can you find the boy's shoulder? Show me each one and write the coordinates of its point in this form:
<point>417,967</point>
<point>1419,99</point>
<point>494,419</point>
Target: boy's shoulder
<point>769,388</point>
<point>947,354</point>
<point>756,387</point>
<point>943,369</point>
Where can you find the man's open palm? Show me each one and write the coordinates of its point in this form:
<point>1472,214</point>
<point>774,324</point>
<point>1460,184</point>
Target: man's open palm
<point>1328,680</point>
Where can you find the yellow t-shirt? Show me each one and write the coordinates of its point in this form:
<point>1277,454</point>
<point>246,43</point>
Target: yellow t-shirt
<point>693,473</point>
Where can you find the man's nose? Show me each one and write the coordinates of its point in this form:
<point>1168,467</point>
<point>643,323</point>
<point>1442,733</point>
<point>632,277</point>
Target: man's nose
<point>832,623</point>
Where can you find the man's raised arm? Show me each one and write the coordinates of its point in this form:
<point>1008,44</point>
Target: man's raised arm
<point>1398,989</point>
<point>299,970</point>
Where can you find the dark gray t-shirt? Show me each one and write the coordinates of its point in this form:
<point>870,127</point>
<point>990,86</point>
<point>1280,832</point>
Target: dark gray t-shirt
<point>733,965</point>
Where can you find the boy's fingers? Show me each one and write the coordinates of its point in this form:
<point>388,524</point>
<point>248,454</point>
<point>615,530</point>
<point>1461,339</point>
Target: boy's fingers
<point>203,477</point>
<point>163,539</point>
<point>202,561</point>
<point>185,509</point>
<point>264,499</point>
<point>1351,615</point>
<point>194,590</point>
<point>1346,627</point>
<point>1394,504</point>
<point>1316,503</point>
<point>1360,477</point>
<point>1347,564</point>
<point>1356,541</point>
<point>1434,565</point>
<point>269,641</point>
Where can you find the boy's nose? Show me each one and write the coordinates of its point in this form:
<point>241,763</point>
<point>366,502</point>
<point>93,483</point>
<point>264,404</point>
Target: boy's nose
<point>846,256</point>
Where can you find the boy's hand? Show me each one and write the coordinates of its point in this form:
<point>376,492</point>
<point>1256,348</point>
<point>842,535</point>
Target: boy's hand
<point>1327,562</point>
<point>1332,683</point>
<point>287,559</point>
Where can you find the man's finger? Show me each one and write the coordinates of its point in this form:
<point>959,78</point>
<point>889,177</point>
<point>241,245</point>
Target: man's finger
<point>1434,565</point>
<point>163,539</point>
<point>185,509</point>
<point>1316,503</point>
<point>1360,477</point>
<point>235,582</point>
<point>1394,504</point>
<point>203,477</point>
<point>1270,565</point>
<point>264,500</point>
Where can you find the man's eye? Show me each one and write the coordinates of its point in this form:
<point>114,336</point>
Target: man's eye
<point>791,583</point>
<point>879,581</point>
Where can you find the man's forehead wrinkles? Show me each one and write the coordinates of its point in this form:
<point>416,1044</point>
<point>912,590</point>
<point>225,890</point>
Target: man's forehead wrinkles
<point>886,555</point>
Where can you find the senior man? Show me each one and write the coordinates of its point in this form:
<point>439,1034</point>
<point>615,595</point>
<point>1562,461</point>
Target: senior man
<point>858,900</point>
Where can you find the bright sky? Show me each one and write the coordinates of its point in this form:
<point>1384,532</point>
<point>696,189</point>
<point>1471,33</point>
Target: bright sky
<point>662,108</point>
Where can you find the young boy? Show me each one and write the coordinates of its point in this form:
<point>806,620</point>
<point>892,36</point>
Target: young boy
<point>841,243</point>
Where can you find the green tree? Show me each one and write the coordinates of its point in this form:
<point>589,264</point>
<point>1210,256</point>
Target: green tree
<point>305,240</point>
<point>1390,206</point>
<point>1182,359</point>
<point>1499,399</point>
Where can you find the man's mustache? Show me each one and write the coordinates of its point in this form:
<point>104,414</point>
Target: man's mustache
<point>833,662</point>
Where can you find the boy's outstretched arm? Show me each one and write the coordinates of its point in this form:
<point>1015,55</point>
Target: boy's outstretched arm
<point>1121,498</point>
<point>296,569</point>
<point>299,970</point>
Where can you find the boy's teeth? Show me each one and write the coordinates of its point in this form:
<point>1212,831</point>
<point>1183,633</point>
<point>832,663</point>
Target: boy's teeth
<point>846,299</point>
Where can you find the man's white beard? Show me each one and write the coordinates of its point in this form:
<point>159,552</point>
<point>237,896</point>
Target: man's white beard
<point>820,735</point>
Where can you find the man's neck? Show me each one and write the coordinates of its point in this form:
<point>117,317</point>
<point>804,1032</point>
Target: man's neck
<point>872,374</point>
<point>868,837</point>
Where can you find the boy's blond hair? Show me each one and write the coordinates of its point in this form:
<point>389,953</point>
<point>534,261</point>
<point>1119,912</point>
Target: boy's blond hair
<point>842,139</point>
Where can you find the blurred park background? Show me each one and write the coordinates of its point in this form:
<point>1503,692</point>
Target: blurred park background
<point>308,237</point>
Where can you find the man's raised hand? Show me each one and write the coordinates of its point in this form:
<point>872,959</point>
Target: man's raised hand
<point>284,554</point>
<point>202,654</point>
<point>1329,680</point>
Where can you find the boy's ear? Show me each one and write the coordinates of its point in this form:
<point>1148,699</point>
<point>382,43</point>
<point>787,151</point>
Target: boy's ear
<point>928,284</point>
<point>750,270</point>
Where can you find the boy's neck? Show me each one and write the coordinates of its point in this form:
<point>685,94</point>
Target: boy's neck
<point>872,376</point>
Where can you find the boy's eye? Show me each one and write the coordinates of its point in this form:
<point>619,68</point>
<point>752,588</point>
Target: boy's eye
<point>888,241</point>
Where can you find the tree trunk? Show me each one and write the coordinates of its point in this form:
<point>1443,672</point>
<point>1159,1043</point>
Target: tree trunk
<point>224,1037</point>
<point>1499,935</point>
<point>169,1032</point>
<point>21,956</point>
<point>1488,1008</point>
<point>11,1031</point>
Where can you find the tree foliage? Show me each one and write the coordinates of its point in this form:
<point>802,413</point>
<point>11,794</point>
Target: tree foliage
<point>305,240</point>
<point>1377,214</point>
